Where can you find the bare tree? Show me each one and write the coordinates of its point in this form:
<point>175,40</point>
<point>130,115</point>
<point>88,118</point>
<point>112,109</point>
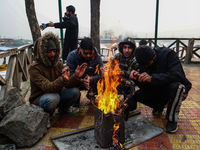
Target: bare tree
<point>95,19</point>
<point>32,19</point>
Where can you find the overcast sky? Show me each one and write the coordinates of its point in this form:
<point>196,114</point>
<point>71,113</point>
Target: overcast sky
<point>177,18</point>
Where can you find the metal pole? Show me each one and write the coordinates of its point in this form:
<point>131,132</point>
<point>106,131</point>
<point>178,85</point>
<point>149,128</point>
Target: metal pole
<point>61,30</point>
<point>156,23</point>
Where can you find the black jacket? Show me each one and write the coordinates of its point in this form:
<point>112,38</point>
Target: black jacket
<point>74,59</point>
<point>71,34</point>
<point>166,69</point>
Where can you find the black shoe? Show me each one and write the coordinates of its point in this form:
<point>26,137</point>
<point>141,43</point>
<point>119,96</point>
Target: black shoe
<point>156,112</point>
<point>171,127</point>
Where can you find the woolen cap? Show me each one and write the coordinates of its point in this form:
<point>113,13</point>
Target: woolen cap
<point>144,54</point>
<point>51,44</point>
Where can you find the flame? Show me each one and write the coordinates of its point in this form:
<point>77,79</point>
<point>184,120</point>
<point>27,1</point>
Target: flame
<point>107,87</point>
<point>115,137</point>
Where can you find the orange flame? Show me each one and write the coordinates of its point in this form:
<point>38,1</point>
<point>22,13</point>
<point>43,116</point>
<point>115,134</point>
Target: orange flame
<point>115,136</point>
<point>107,87</point>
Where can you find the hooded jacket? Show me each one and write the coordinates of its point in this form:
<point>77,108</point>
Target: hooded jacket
<point>45,75</point>
<point>74,59</point>
<point>71,33</point>
<point>126,64</point>
<point>166,69</point>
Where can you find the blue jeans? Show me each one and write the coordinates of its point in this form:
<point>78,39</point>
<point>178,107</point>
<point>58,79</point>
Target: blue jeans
<point>50,101</point>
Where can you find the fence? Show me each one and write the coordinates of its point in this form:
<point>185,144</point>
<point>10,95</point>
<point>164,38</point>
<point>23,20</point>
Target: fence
<point>17,68</point>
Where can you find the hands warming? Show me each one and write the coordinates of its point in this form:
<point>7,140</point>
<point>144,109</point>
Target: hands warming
<point>65,73</point>
<point>80,70</point>
<point>143,77</point>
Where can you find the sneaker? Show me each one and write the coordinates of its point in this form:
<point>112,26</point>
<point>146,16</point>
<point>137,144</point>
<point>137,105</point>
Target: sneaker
<point>156,112</point>
<point>171,127</point>
<point>73,110</point>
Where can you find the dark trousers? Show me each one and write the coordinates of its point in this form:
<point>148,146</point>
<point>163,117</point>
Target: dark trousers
<point>157,98</point>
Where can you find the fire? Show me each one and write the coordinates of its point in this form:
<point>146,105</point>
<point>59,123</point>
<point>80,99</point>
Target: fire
<point>116,142</point>
<point>107,87</point>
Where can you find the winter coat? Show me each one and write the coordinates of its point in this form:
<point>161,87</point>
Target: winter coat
<point>71,34</point>
<point>74,59</point>
<point>166,69</point>
<point>126,65</point>
<point>45,75</point>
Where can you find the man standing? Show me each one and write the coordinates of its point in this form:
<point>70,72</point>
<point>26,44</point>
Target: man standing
<point>86,53</point>
<point>162,81</point>
<point>50,81</point>
<point>70,22</point>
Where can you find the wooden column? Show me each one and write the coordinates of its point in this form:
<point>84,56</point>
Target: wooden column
<point>188,56</point>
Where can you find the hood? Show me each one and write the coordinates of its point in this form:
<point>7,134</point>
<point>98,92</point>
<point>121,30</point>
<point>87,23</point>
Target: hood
<point>129,41</point>
<point>40,49</point>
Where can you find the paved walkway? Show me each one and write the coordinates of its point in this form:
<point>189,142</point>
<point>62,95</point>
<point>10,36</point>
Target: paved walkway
<point>186,138</point>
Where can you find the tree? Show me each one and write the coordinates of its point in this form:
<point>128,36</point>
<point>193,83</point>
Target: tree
<point>32,19</point>
<point>95,19</point>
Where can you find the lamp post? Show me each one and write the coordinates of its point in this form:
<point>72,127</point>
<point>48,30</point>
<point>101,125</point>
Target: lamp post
<point>156,23</point>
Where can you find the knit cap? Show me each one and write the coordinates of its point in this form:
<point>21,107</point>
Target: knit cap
<point>51,44</point>
<point>144,54</point>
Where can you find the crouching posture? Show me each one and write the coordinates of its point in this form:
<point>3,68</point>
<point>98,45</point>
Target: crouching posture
<point>162,81</point>
<point>50,80</point>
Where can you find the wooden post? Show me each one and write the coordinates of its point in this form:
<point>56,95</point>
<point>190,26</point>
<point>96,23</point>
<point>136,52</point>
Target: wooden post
<point>177,46</point>
<point>188,56</point>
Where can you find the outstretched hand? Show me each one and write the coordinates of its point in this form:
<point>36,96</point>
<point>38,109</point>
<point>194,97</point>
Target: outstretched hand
<point>86,82</point>
<point>80,70</point>
<point>66,73</point>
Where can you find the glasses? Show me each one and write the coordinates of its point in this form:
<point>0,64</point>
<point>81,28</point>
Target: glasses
<point>87,53</point>
<point>129,47</point>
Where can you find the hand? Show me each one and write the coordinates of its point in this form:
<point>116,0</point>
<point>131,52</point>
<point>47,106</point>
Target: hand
<point>43,26</point>
<point>86,82</point>
<point>80,70</point>
<point>134,74</point>
<point>51,24</point>
<point>144,77</point>
<point>66,73</point>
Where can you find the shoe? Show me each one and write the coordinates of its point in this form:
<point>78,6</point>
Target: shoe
<point>73,110</point>
<point>171,127</point>
<point>156,112</point>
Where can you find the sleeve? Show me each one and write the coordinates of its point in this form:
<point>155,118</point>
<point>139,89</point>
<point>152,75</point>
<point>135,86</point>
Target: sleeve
<point>47,86</point>
<point>173,73</point>
<point>67,23</point>
<point>71,62</point>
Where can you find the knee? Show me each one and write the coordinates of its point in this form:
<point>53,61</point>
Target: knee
<point>176,85</point>
<point>75,92</point>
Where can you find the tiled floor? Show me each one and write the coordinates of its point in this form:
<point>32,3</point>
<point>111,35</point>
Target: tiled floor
<point>186,138</point>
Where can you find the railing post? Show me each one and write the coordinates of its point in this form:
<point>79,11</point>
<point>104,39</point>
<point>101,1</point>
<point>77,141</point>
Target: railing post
<point>188,56</point>
<point>177,46</point>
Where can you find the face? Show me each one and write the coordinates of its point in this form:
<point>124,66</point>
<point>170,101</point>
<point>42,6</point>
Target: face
<point>87,54</point>
<point>151,62</point>
<point>127,50</point>
<point>51,54</point>
<point>68,13</point>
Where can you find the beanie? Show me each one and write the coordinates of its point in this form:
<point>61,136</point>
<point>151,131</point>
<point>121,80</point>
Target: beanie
<point>51,44</point>
<point>144,54</point>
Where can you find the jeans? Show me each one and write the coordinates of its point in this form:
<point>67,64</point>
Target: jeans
<point>50,101</point>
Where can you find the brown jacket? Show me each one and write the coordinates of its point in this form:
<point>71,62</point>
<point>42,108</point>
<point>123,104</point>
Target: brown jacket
<point>46,76</point>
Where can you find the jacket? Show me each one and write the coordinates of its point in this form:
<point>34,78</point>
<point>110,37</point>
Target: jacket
<point>166,69</point>
<point>126,65</point>
<point>74,59</point>
<point>45,76</point>
<point>71,34</point>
